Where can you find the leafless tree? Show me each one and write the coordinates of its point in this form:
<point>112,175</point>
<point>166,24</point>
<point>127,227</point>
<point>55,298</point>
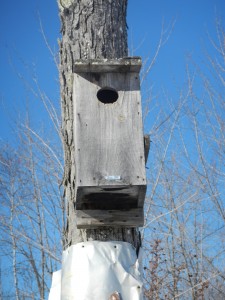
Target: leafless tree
<point>183,236</point>
<point>185,208</point>
<point>32,215</point>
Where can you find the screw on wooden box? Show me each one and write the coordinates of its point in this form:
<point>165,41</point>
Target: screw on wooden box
<point>109,144</point>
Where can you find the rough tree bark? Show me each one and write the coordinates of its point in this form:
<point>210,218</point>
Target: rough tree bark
<point>90,29</point>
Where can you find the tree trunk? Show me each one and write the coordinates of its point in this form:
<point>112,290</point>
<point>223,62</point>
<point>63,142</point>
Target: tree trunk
<point>91,29</point>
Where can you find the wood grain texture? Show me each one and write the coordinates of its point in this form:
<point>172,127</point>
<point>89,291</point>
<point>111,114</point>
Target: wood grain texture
<point>110,197</point>
<point>105,218</point>
<point>121,65</point>
<point>109,146</point>
<point>93,29</point>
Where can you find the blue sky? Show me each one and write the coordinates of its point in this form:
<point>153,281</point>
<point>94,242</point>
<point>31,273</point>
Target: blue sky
<point>24,55</point>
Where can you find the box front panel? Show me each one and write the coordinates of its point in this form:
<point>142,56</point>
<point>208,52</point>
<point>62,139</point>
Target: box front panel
<point>109,148</point>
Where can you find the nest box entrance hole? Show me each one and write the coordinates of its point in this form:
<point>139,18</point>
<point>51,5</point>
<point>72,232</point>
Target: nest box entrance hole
<point>107,95</point>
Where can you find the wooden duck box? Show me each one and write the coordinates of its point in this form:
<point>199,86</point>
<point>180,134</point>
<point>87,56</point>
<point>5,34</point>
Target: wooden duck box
<point>108,137</point>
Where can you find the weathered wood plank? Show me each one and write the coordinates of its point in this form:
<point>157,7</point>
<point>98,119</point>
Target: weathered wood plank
<point>110,197</point>
<point>104,218</point>
<point>109,146</point>
<point>128,64</point>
